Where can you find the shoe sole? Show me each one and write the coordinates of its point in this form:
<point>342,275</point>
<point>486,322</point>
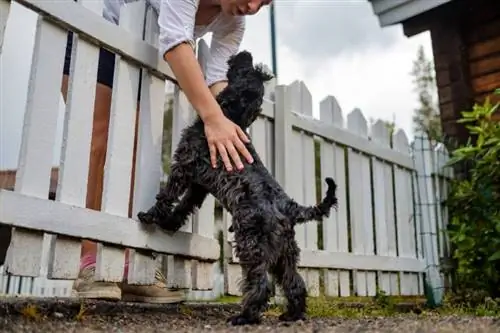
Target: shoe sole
<point>96,294</point>
<point>174,297</point>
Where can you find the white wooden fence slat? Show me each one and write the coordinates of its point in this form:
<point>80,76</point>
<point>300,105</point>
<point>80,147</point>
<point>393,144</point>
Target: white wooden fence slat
<point>404,215</point>
<point>64,255</point>
<point>330,109</point>
<point>4,14</point>
<point>384,207</point>
<point>311,228</point>
<point>35,158</point>
<point>360,204</point>
<point>110,261</point>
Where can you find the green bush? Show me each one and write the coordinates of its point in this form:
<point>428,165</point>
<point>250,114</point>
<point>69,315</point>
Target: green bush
<point>474,208</point>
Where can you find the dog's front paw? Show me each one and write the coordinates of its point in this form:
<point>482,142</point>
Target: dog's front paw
<point>292,316</point>
<point>146,218</point>
<point>169,224</point>
<point>240,320</point>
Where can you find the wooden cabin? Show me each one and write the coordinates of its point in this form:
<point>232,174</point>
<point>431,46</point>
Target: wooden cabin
<point>466,44</point>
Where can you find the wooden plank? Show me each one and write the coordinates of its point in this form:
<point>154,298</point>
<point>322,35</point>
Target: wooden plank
<point>407,238</point>
<point>383,206</point>
<point>42,215</point>
<point>344,137</point>
<point>297,192</point>
<point>64,253</point>
<point>360,262</point>
<point>311,228</point>
<point>24,256</point>
<point>486,83</point>
<point>360,204</point>
<point>483,49</point>
<point>484,66</point>
<point>335,228</point>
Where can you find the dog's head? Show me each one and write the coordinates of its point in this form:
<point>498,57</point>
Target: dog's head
<point>242,99</point>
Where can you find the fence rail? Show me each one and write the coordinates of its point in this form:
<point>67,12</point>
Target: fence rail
<point>384,235</point>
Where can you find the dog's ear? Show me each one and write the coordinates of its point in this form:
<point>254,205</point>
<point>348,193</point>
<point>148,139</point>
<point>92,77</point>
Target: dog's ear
<point>263,73</point>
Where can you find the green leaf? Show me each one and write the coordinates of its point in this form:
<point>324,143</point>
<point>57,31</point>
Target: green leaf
<point>495,256</point>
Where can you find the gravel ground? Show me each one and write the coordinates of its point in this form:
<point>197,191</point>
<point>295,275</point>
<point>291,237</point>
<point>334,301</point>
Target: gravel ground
<point>59,316</point>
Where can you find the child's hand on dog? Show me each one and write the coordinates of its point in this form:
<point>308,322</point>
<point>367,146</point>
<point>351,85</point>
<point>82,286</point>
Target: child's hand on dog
<point>226,137</point>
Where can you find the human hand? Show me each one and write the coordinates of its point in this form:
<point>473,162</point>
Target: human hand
<point>224,136</point>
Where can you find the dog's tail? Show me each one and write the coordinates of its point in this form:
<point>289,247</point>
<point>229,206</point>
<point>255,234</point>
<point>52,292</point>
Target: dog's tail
<point>302,214</point>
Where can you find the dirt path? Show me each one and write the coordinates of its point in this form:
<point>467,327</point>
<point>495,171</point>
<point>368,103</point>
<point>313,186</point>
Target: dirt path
<point>60,316</point>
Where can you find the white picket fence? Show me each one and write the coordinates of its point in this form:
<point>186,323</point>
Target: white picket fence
<point>384,234</point>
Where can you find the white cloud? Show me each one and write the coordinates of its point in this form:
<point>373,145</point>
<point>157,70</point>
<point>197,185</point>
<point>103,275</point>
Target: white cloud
<point>374,79</point>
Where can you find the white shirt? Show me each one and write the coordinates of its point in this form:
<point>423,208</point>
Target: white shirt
<point>176,19</point>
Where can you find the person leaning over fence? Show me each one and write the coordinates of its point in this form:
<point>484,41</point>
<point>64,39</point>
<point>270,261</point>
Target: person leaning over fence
<point>180,22</point>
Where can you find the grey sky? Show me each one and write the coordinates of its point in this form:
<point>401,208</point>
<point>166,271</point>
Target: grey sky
<point>318,29</point>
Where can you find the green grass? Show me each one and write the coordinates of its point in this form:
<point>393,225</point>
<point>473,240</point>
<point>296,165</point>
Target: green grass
<point>380,305</point>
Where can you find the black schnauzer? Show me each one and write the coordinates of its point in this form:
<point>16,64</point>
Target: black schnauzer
<point>263,214</point>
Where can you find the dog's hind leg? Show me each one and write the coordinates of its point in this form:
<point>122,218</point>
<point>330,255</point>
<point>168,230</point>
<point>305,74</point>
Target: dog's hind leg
<point>177,184</point>
<point>255,256</point>
<point>301,214</point>
<point>190,202</point>
<point>294,287</point>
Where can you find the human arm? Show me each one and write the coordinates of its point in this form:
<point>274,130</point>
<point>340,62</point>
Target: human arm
<point>176,21</point>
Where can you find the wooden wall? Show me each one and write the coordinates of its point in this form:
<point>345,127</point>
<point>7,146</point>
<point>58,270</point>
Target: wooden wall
<point>466,45</point>
<point>482,37</point>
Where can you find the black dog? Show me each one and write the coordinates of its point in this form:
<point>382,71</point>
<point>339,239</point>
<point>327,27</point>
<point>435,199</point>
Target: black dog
<point>263,214</point>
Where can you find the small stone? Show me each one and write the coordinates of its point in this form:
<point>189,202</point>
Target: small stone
<point>58,315</point>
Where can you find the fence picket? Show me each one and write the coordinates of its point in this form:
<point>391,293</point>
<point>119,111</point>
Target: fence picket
<point>383,195</point>
<point>360,204</point>
<point>24,256</point>
<point>118,170</point>
<point>335,232</point>
<point>64,252</point>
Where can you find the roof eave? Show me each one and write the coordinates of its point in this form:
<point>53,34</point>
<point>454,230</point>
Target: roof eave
<point>391,12</point>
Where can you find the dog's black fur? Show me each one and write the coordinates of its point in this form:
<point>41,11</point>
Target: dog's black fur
<point>263,214</point>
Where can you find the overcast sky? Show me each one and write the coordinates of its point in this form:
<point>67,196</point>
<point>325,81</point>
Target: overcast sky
<point>335,46</point>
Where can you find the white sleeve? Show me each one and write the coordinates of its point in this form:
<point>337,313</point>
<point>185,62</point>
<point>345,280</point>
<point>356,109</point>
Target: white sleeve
<point>226,41</point>
<point>176,20</point>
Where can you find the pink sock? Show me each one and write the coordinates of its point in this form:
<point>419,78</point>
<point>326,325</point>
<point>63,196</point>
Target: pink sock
<point>90,259</point>
<point>87,261</point>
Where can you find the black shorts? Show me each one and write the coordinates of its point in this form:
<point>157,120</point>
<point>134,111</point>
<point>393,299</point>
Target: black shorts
<point>106,67</point>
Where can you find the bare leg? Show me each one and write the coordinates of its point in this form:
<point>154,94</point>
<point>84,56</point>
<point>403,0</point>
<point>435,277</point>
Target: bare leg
<point>98,148</point>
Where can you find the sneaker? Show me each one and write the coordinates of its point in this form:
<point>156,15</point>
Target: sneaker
<point>85,287</point>
<point>156,293</point>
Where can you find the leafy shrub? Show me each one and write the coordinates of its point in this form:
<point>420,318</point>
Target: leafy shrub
<point>474,207</point>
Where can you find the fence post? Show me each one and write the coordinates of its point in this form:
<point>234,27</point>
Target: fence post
<point>425,204</point>
<point>335,233</point>
<point>282,135</point>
